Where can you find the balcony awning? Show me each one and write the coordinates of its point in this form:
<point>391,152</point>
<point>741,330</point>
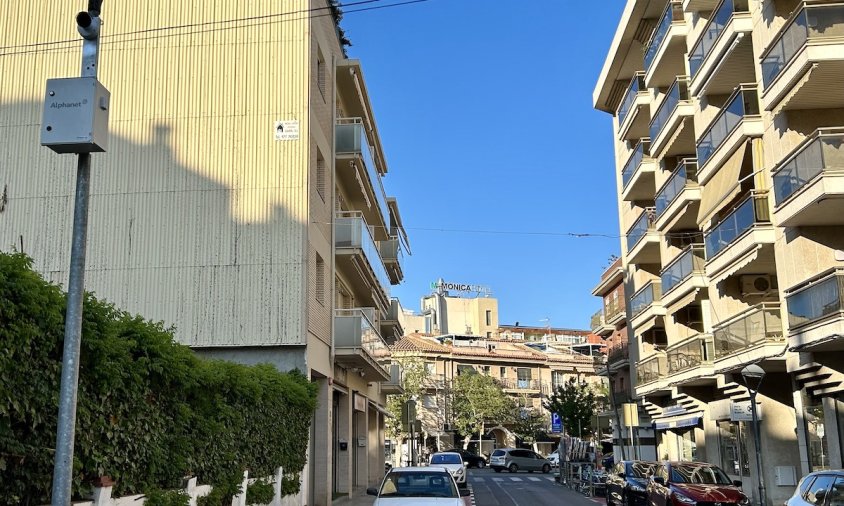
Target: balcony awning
<point>723,187</point>
<point>735,266</point>
<point>684,421</point>
<point>646,326</point>
<point>380,409</point>
<point>674,136</point>
<point>794,90</point>
<point>682,302</point>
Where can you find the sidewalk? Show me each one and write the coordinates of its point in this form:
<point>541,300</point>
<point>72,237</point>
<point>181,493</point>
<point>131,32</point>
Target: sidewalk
<point>358,498</point>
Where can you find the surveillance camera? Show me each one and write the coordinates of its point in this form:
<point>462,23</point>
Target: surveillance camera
<point>88,26</point>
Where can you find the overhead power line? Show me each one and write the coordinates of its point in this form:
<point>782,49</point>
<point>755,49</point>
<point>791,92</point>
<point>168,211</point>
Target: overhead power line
<point>204,27</point>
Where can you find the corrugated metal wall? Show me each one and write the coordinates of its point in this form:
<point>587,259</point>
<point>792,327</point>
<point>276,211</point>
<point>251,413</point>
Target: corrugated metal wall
<point>199,217</point>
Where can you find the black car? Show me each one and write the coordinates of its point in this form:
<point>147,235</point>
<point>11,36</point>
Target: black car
<point>470,458</point>
<point>627,483</point>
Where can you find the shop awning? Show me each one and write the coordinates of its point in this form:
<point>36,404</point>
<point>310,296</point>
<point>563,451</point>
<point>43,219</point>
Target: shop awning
<point>678,422</point>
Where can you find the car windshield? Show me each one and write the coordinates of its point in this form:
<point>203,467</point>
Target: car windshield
<point>418,484</point>
<point>640,469</point>
<point>707,475</point>
<point>498,453</point>
<point>446,458</point>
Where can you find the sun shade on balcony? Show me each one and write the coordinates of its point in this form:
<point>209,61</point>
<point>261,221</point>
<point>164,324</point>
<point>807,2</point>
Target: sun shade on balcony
<point>678,422</point>
<point>723,187</point>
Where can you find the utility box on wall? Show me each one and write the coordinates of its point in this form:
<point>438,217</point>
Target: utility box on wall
<point>75,116</point>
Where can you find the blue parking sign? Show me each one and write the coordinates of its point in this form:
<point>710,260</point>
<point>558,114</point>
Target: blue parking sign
<point>556,423</point>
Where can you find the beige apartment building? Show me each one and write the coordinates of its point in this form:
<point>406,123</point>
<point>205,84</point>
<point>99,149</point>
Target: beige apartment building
<point>240,200</point>
<point>526,374</point>
<point>727,121</point>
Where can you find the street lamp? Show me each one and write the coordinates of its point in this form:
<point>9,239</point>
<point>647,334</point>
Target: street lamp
<point>753,375</point>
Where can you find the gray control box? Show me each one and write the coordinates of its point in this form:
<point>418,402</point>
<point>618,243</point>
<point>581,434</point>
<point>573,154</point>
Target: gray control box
<point>75,115</point>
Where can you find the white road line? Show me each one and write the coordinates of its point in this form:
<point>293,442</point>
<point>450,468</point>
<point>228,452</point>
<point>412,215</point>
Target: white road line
<point>534,478</point>
<point>498,479</point>
<point>513,478</point>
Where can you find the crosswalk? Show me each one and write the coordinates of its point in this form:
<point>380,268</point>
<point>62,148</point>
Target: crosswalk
<point>507,479</point>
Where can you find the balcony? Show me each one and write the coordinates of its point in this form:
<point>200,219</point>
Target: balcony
<point>670,121</point>
<point>434,381</point>
<point>700,5</point>
<point>633,111</point>
<point>675,197</point>
<point>683,278</point>
<point>523,385</point>
<point>362,177</point>
<point>809,183</point>
<point>805,58</point>
<point>358,256</point>
<point>393,386</point>
<point>738,239</point>
<point>651,369</point>
<point>391,328</point>
<point>692,354</point>
<point>358,345</point>
<point>646,306</point>
<point>618,353</point>
<point>723,55</point>
<point>643,240</point>
<point>600,326</point>
<point>667,47</point>
<point>614,311</point>
<point>637,176</point>
<point>738,121</point>
<point>816,309</point>
<point>620,397</point>
<point>393,256</point>
<point>747,334</point>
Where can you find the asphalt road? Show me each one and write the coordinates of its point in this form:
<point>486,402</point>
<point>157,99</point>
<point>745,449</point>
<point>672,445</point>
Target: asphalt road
<point>523,489</point>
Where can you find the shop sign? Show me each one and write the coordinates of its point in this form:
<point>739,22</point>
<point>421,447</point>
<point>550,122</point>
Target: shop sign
<point>742,412</point>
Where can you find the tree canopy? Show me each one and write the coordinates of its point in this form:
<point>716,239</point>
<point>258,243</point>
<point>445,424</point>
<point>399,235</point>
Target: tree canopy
<point>476,399</point>
<point>575,402</point>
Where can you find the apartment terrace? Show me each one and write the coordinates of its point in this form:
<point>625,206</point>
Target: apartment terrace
<point>816,310</point>
<point>677,197</point>
<point>673,119</point>
<point>358,255</point>
<point>752,335</point>
<point>690,358</point>
<point>633,110</point>
<point>723,54</point>
<point>667,46</point>
<point>646,306</point>
<point>683,277</point>
<point>742,236</point>
<point>643,239</point>
<point>358,344</point>
<point>637,175</point>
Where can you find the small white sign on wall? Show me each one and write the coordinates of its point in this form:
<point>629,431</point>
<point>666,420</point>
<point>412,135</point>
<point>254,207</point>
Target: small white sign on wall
<point>287,130</point>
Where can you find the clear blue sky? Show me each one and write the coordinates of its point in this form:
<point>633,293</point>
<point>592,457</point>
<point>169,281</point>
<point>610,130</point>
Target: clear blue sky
<point>485,113</point>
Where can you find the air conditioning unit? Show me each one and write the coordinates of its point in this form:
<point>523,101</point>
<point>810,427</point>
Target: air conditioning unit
<point>758,284</point>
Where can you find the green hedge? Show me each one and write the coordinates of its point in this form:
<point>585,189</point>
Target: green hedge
<point>149,411</point>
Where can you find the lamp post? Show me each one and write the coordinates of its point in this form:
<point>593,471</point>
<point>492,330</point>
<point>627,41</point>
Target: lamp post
<point>753,375</point>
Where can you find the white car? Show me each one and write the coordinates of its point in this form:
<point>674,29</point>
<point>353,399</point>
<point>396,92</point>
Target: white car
<point>418,486</point>
<point>452,461</point>
<point>554,459</point>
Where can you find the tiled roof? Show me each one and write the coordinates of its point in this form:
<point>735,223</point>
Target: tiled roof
<point>416,342</point>
<point>420,343</point>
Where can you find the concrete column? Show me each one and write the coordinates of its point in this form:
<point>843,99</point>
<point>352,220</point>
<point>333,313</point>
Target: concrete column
<point>833,437</point>
<point>360,454</point>
<point>372,447</point>
<point>343,481</point>
<point>320,460</point>
<point>802,444</point>
<point>779,446</point>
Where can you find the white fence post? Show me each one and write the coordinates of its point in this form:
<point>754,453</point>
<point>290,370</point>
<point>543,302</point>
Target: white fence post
<point>240,499</point>
<point>191,491</point>
<point>279,474</point>
<point>102,496</point>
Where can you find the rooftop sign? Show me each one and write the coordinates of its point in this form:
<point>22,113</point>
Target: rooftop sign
<point>460,287</point>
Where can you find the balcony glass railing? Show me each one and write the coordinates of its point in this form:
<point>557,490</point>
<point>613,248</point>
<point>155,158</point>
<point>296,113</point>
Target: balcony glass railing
<point>691,260</point>
<point>690,353</point>
<point>597,321</point>
<point>651,368</point>
<point>673,12</point>
<point>355,328</point>
<point>751,211</point>
<point>636,86</point>
<point>351,231</point>
<point>760,324</point>
<point>391,251</point>
<point>743,102</point>
<point>810,22</point>
<point>351,138</point>
<point>643,225</point>
<point>824,150</point>
<point>816,301</point>
<point>685,173</point>
<point>714,28</point>
<point>642,149</point>
<point>644,298</point>
<point>613,308</point>
<point>678,92</point>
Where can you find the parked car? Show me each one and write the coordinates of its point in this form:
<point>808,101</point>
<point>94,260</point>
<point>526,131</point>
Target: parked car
<point>470,458</point>
<point>453,462</point>
<point>818,488</point>
<point>554,459</point>
<point>418,486</point>
<point>627,483</point>
<point>693,484</point>
<point>513,460</point>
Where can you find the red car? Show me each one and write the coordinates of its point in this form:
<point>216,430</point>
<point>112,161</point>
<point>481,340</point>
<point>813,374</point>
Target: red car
<point>693,484</point>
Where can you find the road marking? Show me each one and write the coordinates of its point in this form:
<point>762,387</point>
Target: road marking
<point>513,478</point>
<point>534,478</point>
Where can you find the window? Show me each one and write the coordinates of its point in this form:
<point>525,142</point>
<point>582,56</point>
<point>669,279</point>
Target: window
<point>817,491</point>
<point>489,335</point>
<point>688,446</point>
<point>429,401</point>
<point>733,450</point>
<point>321,73</point>
<point>320,279</point>
<point>488,317</point>
<point>502,371</point>
<point>557,378</point>
<point>523,377</point>
<point>465,369</point>
<point>815,432</point>
<point>836,493</point>
<point>486,370</point>
<point>430,367</point>
<point>320,176</point>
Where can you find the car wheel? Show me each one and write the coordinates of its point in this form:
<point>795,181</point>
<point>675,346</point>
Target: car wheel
<point>546,469</point>
<point>481,464</point>
<point>513,468</point>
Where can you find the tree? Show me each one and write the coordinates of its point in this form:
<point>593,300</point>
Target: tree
<point>476,399</point>
<point>413,379</point>
<point>575,402</point>
<point>529,424</point>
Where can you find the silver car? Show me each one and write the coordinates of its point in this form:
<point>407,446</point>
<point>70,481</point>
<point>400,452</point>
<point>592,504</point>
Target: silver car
<point>516,459</point>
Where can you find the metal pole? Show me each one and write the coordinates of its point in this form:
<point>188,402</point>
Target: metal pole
<point>89,25</point>
<point>763,500</point>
